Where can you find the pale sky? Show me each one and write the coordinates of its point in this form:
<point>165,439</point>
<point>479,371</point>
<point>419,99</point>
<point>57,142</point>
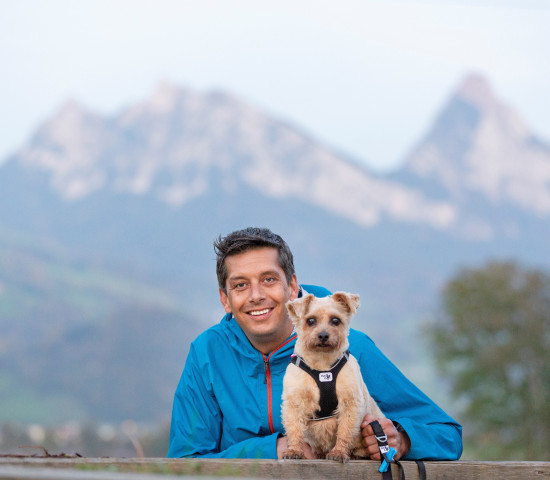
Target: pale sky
<point>365,77</point>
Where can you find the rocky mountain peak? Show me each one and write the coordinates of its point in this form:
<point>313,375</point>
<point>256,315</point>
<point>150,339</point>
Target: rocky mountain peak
<point>69,120</point>
<point>177,144</point>
<point>71,110</point>
<point>165,97</point>
<point>478,145</point>
<point>476,89</point>
<point>67,148</point>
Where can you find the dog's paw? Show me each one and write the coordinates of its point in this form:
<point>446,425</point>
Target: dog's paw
<point>338,455</point>
<point>291,454</point>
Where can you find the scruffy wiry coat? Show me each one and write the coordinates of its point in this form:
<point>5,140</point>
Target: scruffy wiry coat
<point>322,325</point>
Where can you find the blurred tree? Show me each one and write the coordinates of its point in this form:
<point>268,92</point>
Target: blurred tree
<point>492,343</point>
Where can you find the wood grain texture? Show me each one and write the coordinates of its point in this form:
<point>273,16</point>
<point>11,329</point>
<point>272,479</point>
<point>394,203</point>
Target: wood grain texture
<point>153,468</point>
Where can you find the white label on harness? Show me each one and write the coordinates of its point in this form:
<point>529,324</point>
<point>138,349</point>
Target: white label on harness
<point>325,377</point>
<point>384,449</point>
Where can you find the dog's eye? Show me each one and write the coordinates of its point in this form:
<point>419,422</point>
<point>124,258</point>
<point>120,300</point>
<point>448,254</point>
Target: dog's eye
<point>311,321</point>
<point>335,321</point>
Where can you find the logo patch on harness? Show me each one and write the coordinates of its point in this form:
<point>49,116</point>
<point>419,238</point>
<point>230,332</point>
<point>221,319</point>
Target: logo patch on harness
<point>325,377</point>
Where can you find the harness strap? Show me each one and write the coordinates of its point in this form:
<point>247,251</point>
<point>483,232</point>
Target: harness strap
<point>326,382</point>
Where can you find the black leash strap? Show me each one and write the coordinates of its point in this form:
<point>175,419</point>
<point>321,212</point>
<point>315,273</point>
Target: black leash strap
<point>382,439</point>
<point>384,448</point>
<point>421,469</point>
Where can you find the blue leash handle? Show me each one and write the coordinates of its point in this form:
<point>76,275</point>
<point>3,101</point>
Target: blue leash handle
<point>384,465</point>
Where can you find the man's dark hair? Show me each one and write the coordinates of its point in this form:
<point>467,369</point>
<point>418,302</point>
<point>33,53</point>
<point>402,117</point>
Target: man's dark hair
<point>247,239</point>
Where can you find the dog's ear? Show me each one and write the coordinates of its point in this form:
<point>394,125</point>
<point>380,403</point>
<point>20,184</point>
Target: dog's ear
<point>297,308</point>
<point>350,301</point>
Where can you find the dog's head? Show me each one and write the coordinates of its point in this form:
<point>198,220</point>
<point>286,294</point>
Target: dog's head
<point>322,324</point>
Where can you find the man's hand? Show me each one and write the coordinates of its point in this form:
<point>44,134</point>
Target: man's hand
<point>398,440</point>
<point>282,445</point>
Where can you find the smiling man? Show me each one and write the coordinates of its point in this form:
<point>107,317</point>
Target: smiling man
<point>256,291</point>
<point>228,401</point>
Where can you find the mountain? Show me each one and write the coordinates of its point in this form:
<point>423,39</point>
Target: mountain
<point>107,224</point>
<point>173,146</point>
<point>481,157</point>
<point>72,337</point>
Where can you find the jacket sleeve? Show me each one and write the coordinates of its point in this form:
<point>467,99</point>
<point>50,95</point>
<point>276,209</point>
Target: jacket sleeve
<point>434,435</point>
<point>196,425</point>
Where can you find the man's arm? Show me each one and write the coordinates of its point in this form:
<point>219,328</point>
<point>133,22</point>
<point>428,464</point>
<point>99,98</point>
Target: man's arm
<point>431,432</point>
<point>196,425</point>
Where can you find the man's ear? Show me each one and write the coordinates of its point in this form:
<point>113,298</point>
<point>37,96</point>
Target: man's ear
<point>294,287</point>
<point>225,301</point>
<point>349,301</point>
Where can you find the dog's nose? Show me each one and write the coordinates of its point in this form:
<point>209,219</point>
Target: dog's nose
<point>323,337</point>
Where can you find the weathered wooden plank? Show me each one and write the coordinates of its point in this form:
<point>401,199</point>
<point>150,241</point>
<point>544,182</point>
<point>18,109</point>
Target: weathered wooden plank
<point>285,469</point>
<point>11,472</point>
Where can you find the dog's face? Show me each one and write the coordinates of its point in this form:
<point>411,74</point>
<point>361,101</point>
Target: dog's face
<point>322,324</point>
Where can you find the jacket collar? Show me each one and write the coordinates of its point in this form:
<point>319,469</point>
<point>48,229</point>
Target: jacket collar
<point>238,340</point>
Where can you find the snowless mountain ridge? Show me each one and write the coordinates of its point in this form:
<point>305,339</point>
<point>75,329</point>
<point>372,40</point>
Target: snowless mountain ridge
<point>173,144</point>
<point>480,145</point>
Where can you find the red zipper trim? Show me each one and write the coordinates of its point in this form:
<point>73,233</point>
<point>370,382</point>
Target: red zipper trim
<point>268,381</point>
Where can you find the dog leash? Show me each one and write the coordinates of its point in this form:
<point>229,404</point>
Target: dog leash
<point>387,453</point>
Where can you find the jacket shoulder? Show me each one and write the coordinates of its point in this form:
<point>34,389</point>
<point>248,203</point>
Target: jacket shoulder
<point>224,338</point>
<point>360,341</point>
<point>316,290</point>
<point>211,337</point>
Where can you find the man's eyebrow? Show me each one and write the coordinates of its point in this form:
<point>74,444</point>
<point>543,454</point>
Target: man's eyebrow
<point>275,273</point>
<point>237,277</point>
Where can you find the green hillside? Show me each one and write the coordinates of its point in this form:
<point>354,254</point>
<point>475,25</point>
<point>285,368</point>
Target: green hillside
<point>77,341</point>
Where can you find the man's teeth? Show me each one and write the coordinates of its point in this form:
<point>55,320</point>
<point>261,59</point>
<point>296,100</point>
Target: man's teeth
<point>260,312</point>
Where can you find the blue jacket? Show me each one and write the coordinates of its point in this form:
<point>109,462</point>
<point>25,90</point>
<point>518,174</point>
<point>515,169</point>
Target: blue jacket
<point>228,401</point>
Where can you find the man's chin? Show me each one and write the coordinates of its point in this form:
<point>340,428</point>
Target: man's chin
<point>267,334</point>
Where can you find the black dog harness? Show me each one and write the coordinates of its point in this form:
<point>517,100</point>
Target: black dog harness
<point>326,381</point>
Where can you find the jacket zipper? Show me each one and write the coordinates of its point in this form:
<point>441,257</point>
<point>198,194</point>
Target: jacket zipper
<point>267,381</point>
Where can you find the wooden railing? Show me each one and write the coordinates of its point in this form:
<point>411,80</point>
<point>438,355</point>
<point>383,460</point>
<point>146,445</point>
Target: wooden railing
<point>44,468</point>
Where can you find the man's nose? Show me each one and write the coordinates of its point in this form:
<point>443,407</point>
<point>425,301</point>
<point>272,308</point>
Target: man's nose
<point>256,292</point>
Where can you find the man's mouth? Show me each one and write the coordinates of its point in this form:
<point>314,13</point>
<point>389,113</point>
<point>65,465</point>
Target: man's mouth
<point>257,313</point>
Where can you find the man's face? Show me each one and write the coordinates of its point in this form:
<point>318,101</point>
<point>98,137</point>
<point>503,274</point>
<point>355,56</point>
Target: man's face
<point>257,291</point>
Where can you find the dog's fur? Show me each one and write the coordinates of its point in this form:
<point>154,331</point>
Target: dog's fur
<point>339,437</point>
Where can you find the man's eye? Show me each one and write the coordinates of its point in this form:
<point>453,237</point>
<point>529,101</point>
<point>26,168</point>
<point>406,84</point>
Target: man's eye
<point>239,286</point>
<point>335,321</point>
<point>311,322</point>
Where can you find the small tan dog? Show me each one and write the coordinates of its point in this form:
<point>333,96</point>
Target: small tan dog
<point>321,361</point>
